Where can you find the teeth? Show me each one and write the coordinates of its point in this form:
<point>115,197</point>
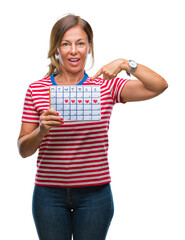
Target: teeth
<point>73,60</point>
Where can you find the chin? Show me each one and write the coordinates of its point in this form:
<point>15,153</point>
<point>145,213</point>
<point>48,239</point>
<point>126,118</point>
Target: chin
<point>75,69</point>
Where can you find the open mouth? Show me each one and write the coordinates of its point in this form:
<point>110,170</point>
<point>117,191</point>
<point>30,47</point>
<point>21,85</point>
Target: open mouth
<point>74,59</point>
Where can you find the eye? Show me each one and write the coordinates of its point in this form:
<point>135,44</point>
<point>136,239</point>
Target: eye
<point>65,44</point>
<point>81,44</point>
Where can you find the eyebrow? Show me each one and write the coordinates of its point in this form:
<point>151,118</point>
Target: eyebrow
<point>77,40</point>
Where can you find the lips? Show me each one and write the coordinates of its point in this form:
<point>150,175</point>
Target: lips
<point>74,61</point>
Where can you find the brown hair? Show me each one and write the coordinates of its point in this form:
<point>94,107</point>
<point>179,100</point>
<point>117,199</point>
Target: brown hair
<point>58,31</point>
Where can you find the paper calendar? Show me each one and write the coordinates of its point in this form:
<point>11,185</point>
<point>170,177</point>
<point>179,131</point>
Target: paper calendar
<point>76,102</point>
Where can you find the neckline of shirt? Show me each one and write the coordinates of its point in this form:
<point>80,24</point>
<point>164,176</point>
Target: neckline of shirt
<point>80,83</point>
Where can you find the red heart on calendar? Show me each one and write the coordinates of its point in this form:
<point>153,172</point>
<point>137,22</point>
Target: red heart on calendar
<point>80,101</point>
<point>66,100</point>
<point>87,101</point>
<point>95,100</point>
<point>73,101</point>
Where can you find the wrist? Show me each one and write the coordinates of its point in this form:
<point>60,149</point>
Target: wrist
<point>125,65</point>
<point>133,66</point>
<point>41,132</point>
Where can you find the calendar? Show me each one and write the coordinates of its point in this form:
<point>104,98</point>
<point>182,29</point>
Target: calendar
<point>76,102</point>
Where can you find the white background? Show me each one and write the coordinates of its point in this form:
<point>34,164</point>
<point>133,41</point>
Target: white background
<point>146,152</point>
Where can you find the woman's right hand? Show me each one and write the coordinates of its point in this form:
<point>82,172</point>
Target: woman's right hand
<point>31,134</point>
<point>48,120</point>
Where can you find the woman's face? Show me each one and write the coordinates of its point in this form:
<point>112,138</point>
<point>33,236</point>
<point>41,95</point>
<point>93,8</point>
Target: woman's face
<point>73,49</point>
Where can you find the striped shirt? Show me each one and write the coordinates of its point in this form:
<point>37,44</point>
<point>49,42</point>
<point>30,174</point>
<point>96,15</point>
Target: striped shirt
<point>74,154</point>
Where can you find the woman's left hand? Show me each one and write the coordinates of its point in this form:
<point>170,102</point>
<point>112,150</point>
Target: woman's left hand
<point>112,69</point>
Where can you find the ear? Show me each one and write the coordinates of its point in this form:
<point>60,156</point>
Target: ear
<point>57,51</point>
<point>90,48</point>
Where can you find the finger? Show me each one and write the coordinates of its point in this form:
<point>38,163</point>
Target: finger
<point>51,118</point>
<point>114,75</point>
<point>50,112</point>
<point>53,123</point>
<point>106,77</point>
<point>97,74</point>
<point>109,76</point>
<point>50,124</point>
<point>45,119</point>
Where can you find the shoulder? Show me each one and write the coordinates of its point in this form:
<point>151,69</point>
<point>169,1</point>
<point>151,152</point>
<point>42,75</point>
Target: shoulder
<point>104,82</point>
<point>42,83</point>
<point>98,81</point>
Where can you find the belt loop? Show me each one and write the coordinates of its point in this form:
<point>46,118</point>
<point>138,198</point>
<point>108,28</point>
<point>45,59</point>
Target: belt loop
<point>68,196</point>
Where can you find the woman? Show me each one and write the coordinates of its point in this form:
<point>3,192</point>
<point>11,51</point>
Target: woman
<point>72,194</point>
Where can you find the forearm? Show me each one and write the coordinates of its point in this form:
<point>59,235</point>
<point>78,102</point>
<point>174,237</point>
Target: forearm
<point>31,134</point>
<point>29,143</point>
<point>150,79</point>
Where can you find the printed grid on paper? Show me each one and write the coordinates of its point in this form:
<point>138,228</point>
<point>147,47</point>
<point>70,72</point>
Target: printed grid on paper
<point>76,103</point>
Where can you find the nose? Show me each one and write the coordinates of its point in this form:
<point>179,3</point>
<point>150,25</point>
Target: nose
<point>74,49</point>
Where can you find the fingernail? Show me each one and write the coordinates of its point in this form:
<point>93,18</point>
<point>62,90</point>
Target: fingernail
<point>61,118</point>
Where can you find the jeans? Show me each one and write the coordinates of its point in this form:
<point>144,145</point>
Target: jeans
<point>82,212</point>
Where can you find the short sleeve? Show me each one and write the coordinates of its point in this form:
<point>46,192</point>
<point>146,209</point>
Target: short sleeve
<point>30,114</point>
<point>116,88</point>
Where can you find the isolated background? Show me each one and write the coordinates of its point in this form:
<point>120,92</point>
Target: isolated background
<point>146,152</point>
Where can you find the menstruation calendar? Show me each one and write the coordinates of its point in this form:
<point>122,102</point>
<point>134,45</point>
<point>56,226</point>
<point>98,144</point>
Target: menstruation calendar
<point>76,102</point>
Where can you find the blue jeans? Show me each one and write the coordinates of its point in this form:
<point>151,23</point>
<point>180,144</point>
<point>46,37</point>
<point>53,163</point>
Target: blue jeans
<point>84,212</point>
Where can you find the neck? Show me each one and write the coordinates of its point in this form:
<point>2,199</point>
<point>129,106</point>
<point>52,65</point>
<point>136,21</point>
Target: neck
<point>69,78</point>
